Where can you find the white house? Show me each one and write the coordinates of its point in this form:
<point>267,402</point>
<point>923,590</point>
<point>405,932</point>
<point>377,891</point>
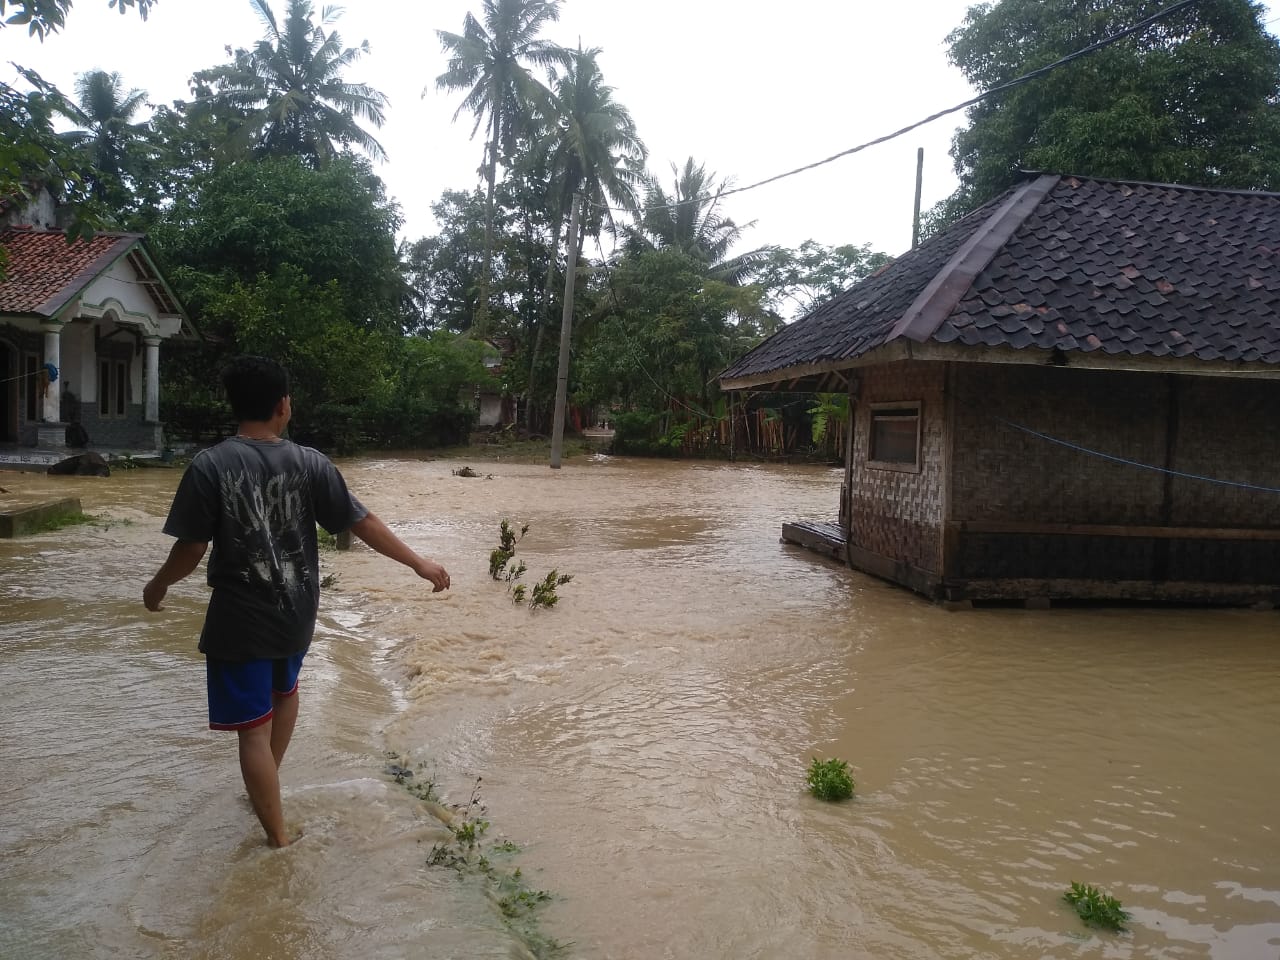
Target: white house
<point>81,324</point>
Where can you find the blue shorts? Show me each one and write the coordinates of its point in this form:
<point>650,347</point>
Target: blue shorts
<point>242,692</point>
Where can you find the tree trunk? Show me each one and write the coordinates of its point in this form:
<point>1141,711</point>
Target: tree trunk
<point>543,314</point>
<point>480,322</point>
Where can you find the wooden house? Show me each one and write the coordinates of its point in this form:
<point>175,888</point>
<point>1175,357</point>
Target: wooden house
<point>1070,393</point>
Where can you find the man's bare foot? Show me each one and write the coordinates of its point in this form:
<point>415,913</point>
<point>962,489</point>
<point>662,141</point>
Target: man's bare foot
<point>283,840</point>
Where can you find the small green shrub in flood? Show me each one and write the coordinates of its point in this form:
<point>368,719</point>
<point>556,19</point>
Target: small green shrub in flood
<point>324,539</point>
<point>830,779</point>
<point>1096,908</point>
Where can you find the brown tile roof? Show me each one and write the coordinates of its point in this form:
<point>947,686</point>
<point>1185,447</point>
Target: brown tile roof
<point>1110,268</point>
<point>44,271</point>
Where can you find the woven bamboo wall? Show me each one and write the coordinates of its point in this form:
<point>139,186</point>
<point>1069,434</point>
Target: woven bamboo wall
<point>896,514</point>
<point>1218,427</point>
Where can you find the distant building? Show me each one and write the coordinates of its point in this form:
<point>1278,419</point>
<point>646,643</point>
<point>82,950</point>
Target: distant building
<point>81,326</point>
<point>1070,393</point>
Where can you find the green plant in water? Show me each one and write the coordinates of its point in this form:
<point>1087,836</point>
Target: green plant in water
<point>830,779</point>
<point>506,549</point>
<point>464,852</point>
<point>57,521</point>
<point>1096,908</point>
<point>544,592</point>
<point>324,539</point>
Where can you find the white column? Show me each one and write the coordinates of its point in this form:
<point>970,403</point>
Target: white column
<point>53,354</point>
<point>153,379</point>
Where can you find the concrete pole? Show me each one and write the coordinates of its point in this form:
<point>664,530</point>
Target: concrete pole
<point>152,412</point>
<point>52,407</point>
<point>915,220</point>
<point>566,331</point>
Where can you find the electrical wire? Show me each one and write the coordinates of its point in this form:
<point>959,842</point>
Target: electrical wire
<point>1001,88</point>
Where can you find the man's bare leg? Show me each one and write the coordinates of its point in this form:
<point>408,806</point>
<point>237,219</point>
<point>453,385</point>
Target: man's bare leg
<point>262,781</point>
<point>284,716</point>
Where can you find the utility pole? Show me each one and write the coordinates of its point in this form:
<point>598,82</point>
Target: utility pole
<point>915,221</point>
<point>566,331</point>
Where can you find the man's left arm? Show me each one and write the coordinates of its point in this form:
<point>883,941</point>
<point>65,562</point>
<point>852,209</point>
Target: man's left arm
<point>379,536</point>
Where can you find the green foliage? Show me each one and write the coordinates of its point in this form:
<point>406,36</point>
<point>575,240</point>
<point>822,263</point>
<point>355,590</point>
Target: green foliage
<point>467,853</point>
<point>797,281</point>
<point>544,591</point>
<point>1096,908</point>
<point>506,549</point>
<point>61,520</point>
<point>830,416</point>
<point>1189,100</point>
<point>286,94</point>
<point>542,595</point>
<point>43,17</point>
<point>830,779</point>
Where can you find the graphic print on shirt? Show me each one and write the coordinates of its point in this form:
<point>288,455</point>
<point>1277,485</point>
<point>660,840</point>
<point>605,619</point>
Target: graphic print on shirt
<point>265,526</point>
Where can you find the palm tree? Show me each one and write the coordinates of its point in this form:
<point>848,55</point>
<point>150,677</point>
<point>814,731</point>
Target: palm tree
<point>593,150</point>
<point>290,91</point>
<point>489,62</point>
<point>105,110</point>
<point>689,220</point>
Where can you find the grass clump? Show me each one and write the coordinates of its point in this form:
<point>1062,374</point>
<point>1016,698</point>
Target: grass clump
<point>1096,908</point>
<point>58,521</point>
<point>830,779</point>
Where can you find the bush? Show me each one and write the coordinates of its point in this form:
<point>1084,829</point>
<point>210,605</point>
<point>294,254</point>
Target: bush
<point>830,779</point>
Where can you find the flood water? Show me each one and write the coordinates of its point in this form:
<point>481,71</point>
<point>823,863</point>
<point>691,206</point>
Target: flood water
<point>644,744</point>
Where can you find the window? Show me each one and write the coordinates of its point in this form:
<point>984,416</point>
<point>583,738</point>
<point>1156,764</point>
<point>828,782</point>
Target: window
<point>31,383</point>
<point>895,436</point>
<point>113,388</point>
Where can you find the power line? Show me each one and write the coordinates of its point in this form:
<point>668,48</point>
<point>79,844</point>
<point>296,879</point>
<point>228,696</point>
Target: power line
<point>1001,88</point>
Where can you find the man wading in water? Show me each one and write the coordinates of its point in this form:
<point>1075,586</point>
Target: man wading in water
<point>258,499</point>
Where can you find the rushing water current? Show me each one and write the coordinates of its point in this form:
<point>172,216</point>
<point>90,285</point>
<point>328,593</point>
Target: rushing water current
<point>644,744</point>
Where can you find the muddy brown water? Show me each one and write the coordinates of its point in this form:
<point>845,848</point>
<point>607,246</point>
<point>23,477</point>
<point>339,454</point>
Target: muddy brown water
<point>644,743</point>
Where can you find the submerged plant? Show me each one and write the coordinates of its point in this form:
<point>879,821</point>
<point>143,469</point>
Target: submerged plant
<point>507,540</point>
<point>830,779</point>
<point>466,852</point>
<point>1096,908</point>
<point>543,593</point>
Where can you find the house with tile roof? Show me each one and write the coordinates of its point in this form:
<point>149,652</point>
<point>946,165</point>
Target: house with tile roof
<point>1071,393</point>
<point>81,326</point>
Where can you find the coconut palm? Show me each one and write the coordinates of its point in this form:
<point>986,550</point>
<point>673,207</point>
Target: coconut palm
<point>591,147</point>
<point>105,111</point>
<point>290,92</point>
<point>689,219</point>
<point>489,63</point>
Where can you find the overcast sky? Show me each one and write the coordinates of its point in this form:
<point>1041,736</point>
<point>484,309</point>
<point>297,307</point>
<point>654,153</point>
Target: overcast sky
<point>748,92</point>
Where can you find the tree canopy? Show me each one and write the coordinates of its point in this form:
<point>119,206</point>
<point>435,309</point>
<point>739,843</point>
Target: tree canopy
<point>1192,99</point>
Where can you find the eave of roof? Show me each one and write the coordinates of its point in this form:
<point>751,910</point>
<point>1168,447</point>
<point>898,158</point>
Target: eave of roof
<point>961,313</point>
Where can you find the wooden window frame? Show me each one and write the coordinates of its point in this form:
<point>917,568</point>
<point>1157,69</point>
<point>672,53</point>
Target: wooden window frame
<point>113,388</point>
<point>883,410</point>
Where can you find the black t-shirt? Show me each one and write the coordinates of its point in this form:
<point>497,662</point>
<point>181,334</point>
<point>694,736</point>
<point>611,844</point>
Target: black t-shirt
<point>259,501</point>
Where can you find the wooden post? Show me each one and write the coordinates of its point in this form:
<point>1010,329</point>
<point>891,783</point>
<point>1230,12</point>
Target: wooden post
<point>566,331</point>
<point>344,540</point>
<point>733,454</point>
<point>915,220</point>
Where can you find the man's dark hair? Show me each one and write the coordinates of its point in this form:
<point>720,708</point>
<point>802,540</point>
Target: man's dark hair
<point>254,386</point>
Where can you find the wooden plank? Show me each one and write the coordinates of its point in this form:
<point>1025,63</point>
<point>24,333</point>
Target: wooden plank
<point>1016,528</point>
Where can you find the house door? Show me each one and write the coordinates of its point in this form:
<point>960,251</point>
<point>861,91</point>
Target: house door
<point>8,393</point>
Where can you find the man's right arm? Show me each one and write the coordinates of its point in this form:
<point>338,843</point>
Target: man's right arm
<point>184,557</point>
